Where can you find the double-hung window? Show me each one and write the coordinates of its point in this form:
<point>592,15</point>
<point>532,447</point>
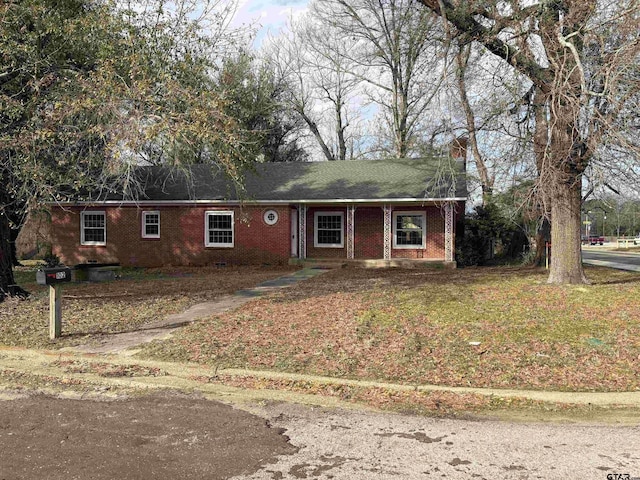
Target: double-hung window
<point>409,229</point>
<point>93,228</point>
<point>218,229</point>
<point>150,224</point>
<point>329,229</point>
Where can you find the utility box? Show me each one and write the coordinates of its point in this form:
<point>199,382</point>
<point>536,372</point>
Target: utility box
<point>95,272</point>
<point>53,276</point>
<point>101,275</point>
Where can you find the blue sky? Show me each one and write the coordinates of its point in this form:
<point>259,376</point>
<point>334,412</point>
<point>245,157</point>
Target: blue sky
<point>268,15</point>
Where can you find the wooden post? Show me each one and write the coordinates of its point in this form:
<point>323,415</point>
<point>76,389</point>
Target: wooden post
<point>55,311</point>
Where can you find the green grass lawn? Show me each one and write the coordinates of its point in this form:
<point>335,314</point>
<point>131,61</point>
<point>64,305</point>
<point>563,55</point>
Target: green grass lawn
<point>497,327</point>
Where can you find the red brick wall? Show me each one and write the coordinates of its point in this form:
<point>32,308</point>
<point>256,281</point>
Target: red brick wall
<point>369,234</point>
<point>369,227</point>
<point>181,239</point>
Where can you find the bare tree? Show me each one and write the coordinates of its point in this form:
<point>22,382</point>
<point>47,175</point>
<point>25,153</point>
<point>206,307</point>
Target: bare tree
<point>487,179</point>
<point>465,107</point>
<point>396,45</point>
<point>582,57</point>
<point>321,85</point>
<point>334,80</point>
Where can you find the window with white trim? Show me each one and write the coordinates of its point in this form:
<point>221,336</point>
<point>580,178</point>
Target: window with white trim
<point>218,229</point>
<point>150,224</point>
<point>409,229</point>
<point>93,228</point>
<point>329,229</point>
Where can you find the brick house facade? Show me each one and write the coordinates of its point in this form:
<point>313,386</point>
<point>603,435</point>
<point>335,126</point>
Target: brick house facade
<point>351,210</point>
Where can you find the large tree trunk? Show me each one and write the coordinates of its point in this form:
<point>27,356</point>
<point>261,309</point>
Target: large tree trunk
<point>566,250</point>
<point>561,185</point>
<point>7,281</point>
<point>561,85</point>
<point>7,252</point>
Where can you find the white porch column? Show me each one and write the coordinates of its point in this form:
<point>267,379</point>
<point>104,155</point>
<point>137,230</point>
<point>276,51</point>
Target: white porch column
<point>302,231</point>
<point>448,232</point>
<point>386,210</point>
<point>350,231</point>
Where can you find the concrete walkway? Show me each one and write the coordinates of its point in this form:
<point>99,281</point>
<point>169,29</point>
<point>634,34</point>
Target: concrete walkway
<point>125,343</point>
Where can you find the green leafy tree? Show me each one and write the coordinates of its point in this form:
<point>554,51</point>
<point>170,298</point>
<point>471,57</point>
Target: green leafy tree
<point>89,89</point>
<point>253,96</point>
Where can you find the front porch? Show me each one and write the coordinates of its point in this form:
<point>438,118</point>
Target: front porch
<point>374,235</point>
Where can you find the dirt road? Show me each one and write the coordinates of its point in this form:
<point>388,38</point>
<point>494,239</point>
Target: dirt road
<point>159,436</point>
<point>169,436</point>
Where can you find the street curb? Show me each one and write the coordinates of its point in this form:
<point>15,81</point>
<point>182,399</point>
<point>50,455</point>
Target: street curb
<point>187,375</point>
<point>581,398</point>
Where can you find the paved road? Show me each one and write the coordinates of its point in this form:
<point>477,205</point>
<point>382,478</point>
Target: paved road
<point>354,445</point>
<point>608,258</point>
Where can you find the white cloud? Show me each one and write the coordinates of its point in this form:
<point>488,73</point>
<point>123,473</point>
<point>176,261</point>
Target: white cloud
<point>267,15</point>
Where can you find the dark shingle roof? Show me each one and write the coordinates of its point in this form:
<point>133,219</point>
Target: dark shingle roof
<point>314,181</point>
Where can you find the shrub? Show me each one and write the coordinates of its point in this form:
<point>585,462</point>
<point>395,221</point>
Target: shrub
<point>489,236</point>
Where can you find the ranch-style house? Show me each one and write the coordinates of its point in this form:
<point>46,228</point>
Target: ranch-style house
<point>382,212</point>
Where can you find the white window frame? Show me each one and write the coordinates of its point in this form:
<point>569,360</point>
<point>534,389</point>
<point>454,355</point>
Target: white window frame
<point>144,224</point>
<point>315,230</point>
<point>82,227</point>
<point>395,229</point>
<point>210,213</point>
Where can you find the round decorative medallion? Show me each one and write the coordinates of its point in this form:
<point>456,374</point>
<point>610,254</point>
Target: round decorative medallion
<point>270,217</point>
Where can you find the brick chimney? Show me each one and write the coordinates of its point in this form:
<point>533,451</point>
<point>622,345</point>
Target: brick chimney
<point>458,149</point>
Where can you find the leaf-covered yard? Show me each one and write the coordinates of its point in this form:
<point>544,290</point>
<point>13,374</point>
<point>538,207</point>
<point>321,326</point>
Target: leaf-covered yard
<point>138,297</point>
<point>500,327</point>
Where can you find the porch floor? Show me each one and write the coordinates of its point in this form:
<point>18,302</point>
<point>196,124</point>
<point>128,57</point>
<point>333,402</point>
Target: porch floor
<point>371,263</point>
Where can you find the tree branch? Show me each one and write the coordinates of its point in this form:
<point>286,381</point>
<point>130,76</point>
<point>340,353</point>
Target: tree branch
<point>465,22</point>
